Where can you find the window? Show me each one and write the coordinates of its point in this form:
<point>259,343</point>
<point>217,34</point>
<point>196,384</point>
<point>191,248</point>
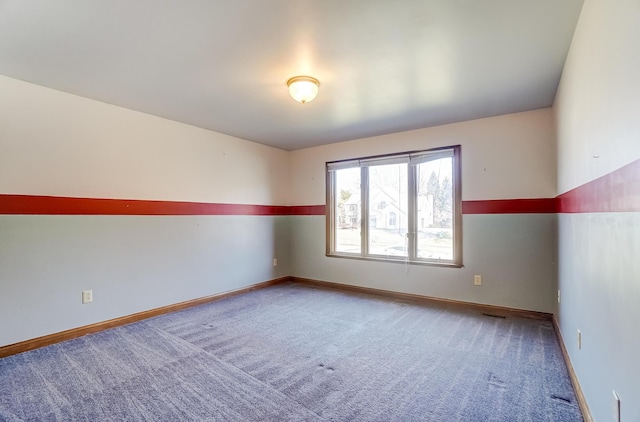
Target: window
<point>410,204</point>
<point>392,219</point>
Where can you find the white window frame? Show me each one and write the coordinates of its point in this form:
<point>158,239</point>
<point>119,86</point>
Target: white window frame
<point>411,159</point>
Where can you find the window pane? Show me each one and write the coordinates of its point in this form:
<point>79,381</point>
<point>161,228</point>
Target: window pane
<point>347,212</point>
<point>388,210</point>
<point>435,209</point>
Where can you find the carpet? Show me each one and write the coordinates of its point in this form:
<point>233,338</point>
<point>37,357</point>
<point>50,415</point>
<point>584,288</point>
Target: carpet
<point>296,353</point>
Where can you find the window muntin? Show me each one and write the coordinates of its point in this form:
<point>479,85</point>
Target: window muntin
<point>411,207</point>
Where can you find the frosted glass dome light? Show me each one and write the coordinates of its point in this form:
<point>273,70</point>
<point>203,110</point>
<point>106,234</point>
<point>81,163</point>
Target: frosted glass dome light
<point>303,88</point>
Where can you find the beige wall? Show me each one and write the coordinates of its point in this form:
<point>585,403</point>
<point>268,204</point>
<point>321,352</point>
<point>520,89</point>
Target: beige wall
<point>504,157</point>
<point>59,144</point>
<point>598,112</point>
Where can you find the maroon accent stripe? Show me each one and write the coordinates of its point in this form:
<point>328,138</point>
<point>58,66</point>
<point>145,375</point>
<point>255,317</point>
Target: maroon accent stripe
<point>58,205</point>
<point>510,206</point>
<point>32,204</point>
<point>618,191</point>
<point>308,210</point>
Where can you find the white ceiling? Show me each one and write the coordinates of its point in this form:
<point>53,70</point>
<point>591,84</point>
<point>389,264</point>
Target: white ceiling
<point>384,66</point>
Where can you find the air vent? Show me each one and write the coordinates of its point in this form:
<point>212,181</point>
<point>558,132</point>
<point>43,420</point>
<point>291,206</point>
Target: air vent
<point>494,316</point>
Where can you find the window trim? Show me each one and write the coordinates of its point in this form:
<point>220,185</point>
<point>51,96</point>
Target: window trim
<point>412,158</point>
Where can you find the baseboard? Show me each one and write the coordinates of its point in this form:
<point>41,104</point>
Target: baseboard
<point>493,310</point>
<point>50,339</point>
<point>23,346</point>
<point>582,401</point>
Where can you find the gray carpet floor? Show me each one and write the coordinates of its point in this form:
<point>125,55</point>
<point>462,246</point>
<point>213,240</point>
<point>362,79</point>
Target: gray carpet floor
<point>296,353</point>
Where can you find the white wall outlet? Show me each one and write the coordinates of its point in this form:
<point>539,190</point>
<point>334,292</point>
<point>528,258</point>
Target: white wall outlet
<point>275,262</point>
<point>558,295</point>
<point>579,339</point>
<point>616,407</point>
<point>477,280</point>
<point>87,296</point>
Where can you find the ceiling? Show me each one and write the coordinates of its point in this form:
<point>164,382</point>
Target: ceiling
<point>384,66</point>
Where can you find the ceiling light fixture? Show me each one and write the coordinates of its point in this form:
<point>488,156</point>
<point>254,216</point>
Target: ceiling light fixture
<point>303,88</point>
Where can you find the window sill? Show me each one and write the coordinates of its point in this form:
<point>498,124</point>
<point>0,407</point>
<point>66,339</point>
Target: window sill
<point>447,264</point>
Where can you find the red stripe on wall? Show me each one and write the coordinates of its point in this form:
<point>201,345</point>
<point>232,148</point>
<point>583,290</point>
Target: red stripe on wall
<point>31,204</point>
<point>308,210</point>
<point>503,206</point>
<point>510,206</point>
<point>618,191</point>
<point>58,205</point>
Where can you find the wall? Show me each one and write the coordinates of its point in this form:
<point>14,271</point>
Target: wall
<point>503,158</point>
<point>597,111</point>
<point>63,145</point>
<point>58,144</point>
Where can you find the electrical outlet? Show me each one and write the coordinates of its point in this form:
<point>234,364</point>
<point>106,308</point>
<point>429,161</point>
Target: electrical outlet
<point>477,280</point>
<point>275,262</point>
<point>558,295</point>
<point>616,407</point>
<point>579,339</point>
<point>87,296</point>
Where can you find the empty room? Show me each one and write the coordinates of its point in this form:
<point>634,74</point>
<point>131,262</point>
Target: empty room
<point>414,210</point>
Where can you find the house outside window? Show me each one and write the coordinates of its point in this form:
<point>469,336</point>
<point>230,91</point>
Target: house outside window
<point>411,203</point>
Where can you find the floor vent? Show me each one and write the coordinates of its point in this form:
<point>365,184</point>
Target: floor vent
<point>494,315</point>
